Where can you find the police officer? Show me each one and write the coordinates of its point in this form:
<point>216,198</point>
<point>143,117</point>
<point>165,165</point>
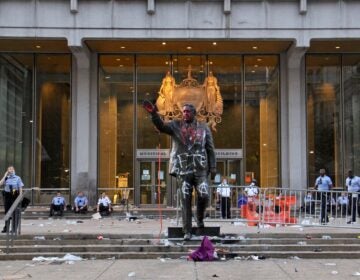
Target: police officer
<point>223,193</point>
<point>323,184</point>
<point>353,186</point>
<point>104,205</point>
<point>12,188</point>
<point>81,203</point>
<point>57,204</point>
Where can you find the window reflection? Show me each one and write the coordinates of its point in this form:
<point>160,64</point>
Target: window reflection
<point>323,116</point>
<point>116,121</point>
<point>351,86</point>
<point>53,121</point>
<point>150,72</point>
<point>261,116</point>
<point>16,120</point>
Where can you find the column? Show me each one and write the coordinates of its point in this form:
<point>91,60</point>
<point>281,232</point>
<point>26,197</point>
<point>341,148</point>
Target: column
<point>294,146</point>
<point>84,124</point>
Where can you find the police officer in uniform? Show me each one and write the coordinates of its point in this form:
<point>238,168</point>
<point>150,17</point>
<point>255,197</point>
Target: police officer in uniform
<point>12,188</point>
<point>323,184</point>
<point>353,186</point>
<point>104,205</point>
<point>57,205</point>
<point>81,203</point>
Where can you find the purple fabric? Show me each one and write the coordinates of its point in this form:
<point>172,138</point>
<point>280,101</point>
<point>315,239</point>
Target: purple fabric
<point>205,252</point>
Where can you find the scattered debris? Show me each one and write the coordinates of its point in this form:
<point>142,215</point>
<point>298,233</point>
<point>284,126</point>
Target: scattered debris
<point>356,274</point>
<point>302,243</point>
<point>39,238</point>
<point>330,264</point>
<point>96,216</point>
<point>131,274</point>
<point>239,224</point>
<point>214,275</point>
<point>16,276</point>
<point>296,270</point>
<point>308,236</point>
<point>327,237</point>
<point>294,258</point>
<point>68,258</point>
<point>317,250</point>
<point>100,237</point>
<point>205,252</point>
<point>334,272</point>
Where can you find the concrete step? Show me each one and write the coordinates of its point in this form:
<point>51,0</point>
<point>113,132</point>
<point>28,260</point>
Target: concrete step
<point>146,246</point>
<point>177,248</point>
<point>176,255</point>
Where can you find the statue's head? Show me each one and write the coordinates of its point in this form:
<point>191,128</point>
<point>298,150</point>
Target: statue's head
<point>188,113</point>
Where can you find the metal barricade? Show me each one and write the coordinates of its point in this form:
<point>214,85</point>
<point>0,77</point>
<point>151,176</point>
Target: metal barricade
<point>282,206</point>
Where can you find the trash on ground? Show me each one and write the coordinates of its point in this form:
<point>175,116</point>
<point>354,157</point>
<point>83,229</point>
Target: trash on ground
<point>334,272</point>
<point>71,222</point>
<point>15,276</point>
<point>330,264</point>
<point>326,237</point>
<point>96,216</point>
<point>239,224</point>
<point>39,238</point>
<point>294,258</point>
<point>131,274</point>
<point>100,237</point>
<point>68,258</point>
<point>306,222</point>
<point>308,236</point>
<point>205,252</point>
<point>79,222</point>
<point>214,275</point>
<point>356,274</point>
<point>317,250</point>
<point>302,243</point>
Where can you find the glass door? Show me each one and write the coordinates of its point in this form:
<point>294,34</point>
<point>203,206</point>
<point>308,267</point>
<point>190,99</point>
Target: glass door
<point>153,180</point>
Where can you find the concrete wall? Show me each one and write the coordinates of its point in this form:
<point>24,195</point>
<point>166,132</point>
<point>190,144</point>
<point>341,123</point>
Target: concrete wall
<point>180,19</point>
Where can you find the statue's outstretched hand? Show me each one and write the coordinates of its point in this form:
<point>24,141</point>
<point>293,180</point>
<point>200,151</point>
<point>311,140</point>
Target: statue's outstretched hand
<point>148,106</point>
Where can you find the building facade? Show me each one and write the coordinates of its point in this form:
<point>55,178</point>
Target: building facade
<point>74,73</point>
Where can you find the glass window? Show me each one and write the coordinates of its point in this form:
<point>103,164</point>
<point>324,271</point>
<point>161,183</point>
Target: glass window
<point>323,116</point>
<point>150,72</point>
<point>227,70</point>
<point>16,120</point>
<point>53,93</point>
<point>261,116</point>
<point>116,124</point>
<point>351,86</point>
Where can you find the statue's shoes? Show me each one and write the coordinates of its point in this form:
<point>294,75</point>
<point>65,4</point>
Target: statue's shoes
<point>187,236</point>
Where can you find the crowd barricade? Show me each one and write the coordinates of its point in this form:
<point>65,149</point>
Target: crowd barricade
<point>282,206</point>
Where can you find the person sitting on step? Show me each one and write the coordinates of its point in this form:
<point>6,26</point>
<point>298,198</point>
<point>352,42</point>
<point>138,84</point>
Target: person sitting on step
<point>104,205</point>
<point>81,203</point>
<point>57,205</point>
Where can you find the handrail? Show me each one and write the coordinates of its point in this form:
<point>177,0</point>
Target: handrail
<point>13,214</point>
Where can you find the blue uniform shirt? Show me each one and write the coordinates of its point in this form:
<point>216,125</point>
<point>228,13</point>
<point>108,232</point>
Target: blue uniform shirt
<point>353,184</point>
<point>323,183</point>
<point>58,200</point>
<point>81,201</point>
<point>13,182</point>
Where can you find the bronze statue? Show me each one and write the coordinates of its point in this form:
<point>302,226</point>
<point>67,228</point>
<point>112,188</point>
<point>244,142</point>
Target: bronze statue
<point>192,159</point>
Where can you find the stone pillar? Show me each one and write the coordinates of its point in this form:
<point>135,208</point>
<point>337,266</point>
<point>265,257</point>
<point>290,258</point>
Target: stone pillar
<point>295,127</point>
<point>84,124</point>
